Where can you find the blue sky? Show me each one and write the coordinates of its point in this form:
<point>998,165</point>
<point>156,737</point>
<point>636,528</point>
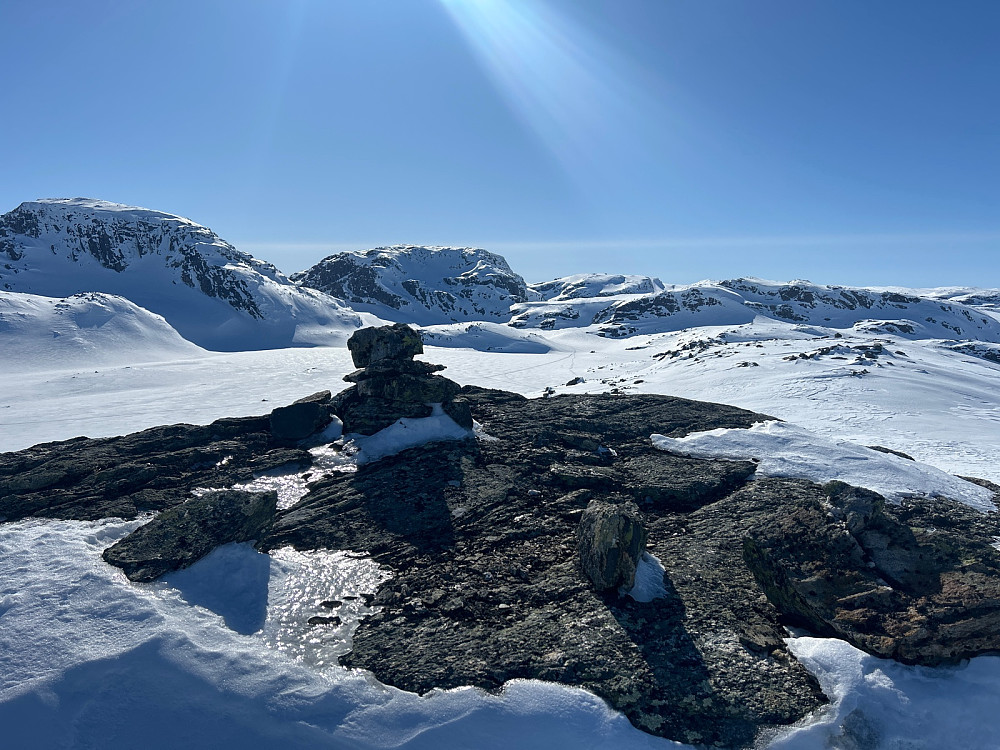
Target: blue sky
<point>847,141</point>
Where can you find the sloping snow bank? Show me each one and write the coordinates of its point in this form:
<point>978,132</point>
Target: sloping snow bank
<point>881,704</point>
<point>785,450</point>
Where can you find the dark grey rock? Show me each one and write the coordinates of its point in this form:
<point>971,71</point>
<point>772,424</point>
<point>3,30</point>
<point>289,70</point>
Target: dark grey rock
<point>486,587</point>
<point>391,385</point>
<point>186,533</point>
<point>883,449</point>
<point>301,419</point>
<point>611,538</point>
<point>460,411</point>
<point>146,471</point>
<point>395,342</point>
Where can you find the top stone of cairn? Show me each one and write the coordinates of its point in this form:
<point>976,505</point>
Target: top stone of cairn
<point>395,342</point>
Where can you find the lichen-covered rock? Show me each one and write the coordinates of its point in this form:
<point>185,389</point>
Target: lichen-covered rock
<point>919,582</point>
<point>183,535</point>
<point>610,540</point>
<point>395,342</point>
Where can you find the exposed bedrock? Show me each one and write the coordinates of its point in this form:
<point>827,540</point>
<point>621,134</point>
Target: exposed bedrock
<point>184,534</point>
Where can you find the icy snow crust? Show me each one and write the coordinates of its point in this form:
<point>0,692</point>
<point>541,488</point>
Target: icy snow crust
<point>781,449</point>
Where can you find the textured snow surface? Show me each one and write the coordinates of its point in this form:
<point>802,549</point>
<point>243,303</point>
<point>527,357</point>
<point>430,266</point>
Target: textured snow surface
<point>781,449</point>
<point>884,705</point>
<point>83,330</point>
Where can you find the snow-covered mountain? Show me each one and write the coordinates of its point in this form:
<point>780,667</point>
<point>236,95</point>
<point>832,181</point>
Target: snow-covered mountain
<point>423,285</point>
<point>213,294</point>
<point>586,285</point>
<point>584,301</point>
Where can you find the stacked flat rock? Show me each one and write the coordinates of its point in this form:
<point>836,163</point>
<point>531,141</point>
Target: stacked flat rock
<point>392,385</point>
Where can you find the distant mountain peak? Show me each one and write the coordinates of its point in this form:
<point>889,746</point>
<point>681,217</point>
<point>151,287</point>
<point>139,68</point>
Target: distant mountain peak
<point>420,284</point>
<point>213,294</point>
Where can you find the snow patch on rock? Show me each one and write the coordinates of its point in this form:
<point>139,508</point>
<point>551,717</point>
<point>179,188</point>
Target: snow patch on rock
<point>786,450</point>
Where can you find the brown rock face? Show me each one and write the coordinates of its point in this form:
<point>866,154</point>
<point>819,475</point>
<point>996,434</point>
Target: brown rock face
<point>919,582</point>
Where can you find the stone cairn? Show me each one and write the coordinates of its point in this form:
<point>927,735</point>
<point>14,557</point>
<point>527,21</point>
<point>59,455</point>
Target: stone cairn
<point>391,385</point>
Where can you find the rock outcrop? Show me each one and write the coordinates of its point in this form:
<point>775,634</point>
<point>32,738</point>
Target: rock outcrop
<point>919,583</point>
<point>303,418</point>
<point>184,534</point>
<point>392,385</point>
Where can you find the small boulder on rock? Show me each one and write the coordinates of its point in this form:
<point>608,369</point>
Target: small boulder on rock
<point>303,418</point>
<point>611,538</point>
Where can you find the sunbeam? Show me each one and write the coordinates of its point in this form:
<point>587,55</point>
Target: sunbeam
<point>567,86</point>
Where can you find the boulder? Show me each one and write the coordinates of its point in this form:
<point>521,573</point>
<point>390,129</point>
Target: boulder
<point>395,342</point>
<point>610,540</point>
<point>918,582</point>
<point>186,533</point>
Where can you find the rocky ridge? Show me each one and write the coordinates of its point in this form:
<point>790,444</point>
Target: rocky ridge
<point>739,301</point>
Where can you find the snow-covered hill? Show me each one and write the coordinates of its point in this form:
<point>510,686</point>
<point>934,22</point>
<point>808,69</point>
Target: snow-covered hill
<point>423,285</point>
<point>83,330</point>
<point>585,301</point>
<point>210,292</point>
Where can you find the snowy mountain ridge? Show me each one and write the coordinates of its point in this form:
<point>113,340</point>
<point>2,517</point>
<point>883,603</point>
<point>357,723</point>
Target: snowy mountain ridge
<point>420,284</point>
<point>740,301</point>
<point>213,294</point>
<point>221,298</point>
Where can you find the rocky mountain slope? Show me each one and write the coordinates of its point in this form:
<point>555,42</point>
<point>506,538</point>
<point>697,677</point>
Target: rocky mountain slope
<point>213,294</point>
<point>582,302</point>
<point>422,285</point>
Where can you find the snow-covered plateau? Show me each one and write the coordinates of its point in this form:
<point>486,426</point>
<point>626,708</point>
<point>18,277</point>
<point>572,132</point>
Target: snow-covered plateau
<point>115,319</point>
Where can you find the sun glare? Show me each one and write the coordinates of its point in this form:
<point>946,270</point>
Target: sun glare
<point>566,85</point>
